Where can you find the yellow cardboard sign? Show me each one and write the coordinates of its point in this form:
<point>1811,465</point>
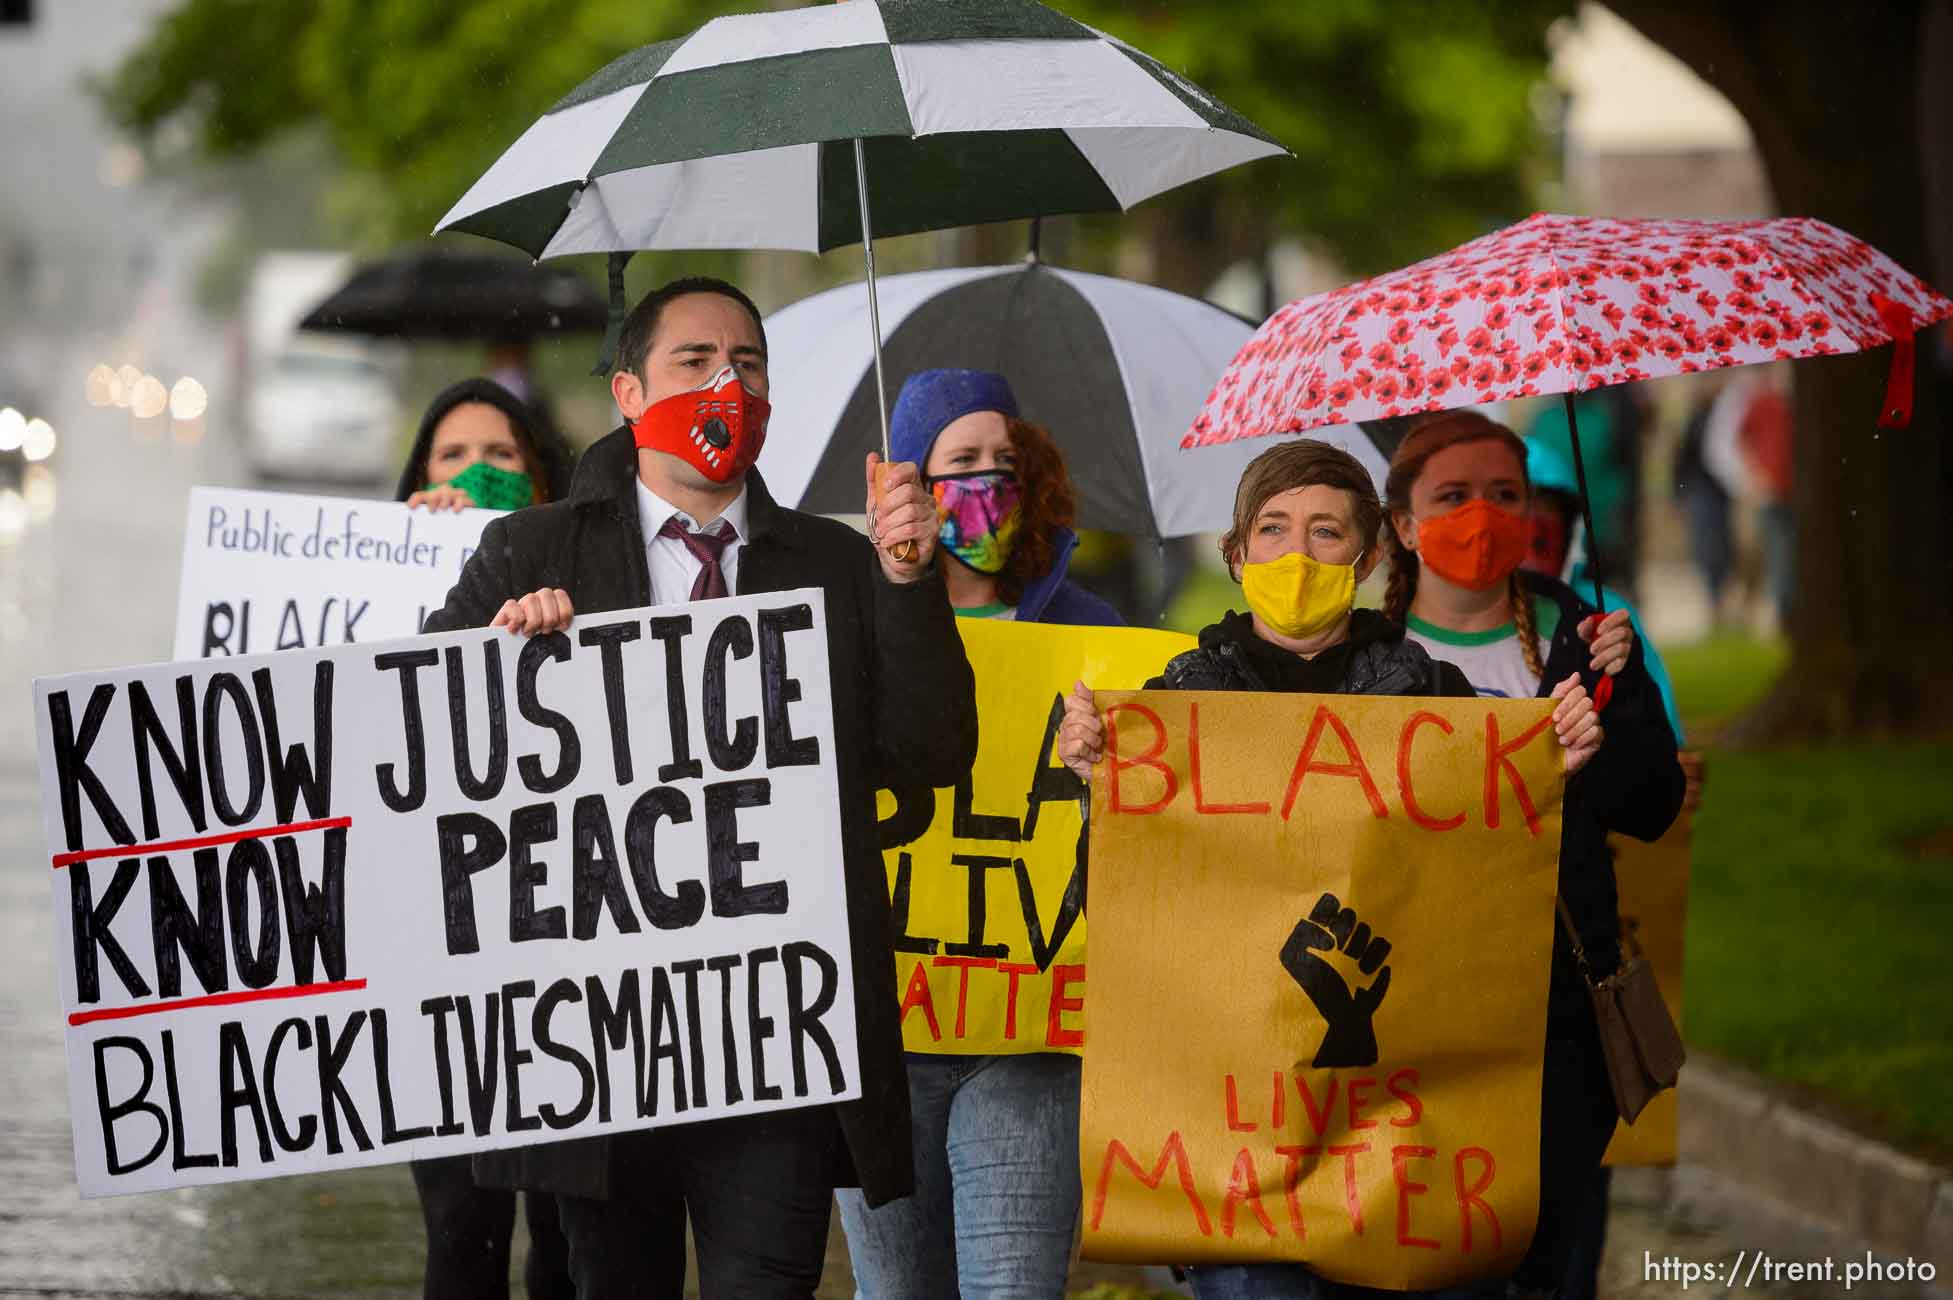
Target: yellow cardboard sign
<point>987,879</point>
<point>1654,890</point>
<point>1322,929</point>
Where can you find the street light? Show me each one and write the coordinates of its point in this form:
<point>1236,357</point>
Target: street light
<point>39,441</point>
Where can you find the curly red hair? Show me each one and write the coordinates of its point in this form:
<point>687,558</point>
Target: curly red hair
<point>1047,505</point>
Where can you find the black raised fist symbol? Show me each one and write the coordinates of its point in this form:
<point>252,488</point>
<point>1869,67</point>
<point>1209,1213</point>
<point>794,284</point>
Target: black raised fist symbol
<point>1350,1040</point>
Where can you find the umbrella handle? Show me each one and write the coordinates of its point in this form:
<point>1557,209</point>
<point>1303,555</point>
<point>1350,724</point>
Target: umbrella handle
<point>904,550</point>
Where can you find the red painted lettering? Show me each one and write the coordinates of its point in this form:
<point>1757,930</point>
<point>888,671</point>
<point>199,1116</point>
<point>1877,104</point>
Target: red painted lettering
<point>963,965</point>
<point>1234,1123</point>
<point>1013,969</point>
<point>1497,760</point>
<point>1411,808</point>
<point>1305,763</point>
<point>1244,1188</point>
<point>1357,1093</point>
<point>1174,1153</point>
<point>1405,1095</point>
<point>1474,1195</point>
<point>1117,762</point>
<point>1292,1179</point>
<point>1318,1115</point>
<point>917,995</point>
<point>1351,1199</point>
<point>1278,1105</point>
<point>1193,770</point>
<point>1057,1034</point>
<point>1400,1158</point>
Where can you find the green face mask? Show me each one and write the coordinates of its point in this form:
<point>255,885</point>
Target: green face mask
<point>493,488</point>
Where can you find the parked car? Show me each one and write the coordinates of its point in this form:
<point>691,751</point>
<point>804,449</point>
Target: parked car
<point>318,406</point>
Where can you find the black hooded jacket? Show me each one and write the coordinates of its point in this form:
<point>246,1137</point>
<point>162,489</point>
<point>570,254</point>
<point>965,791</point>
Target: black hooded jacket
<point>1377,659</point>
<point>1632,786</point>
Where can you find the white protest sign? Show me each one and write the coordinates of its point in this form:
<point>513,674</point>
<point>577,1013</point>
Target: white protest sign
<point>367,904</point>
<point>281,571</point>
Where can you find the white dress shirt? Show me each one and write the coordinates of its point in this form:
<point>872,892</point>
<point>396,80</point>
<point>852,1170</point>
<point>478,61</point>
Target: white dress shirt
<point>673,567</point>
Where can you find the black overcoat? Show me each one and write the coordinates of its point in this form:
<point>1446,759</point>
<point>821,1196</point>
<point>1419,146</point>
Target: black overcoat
<point>904,704</point>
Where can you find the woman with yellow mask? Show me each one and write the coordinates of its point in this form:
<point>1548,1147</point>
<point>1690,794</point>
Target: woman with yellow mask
<point>1305,533</point>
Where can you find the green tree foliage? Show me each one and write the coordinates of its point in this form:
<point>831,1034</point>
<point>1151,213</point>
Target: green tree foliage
<point>419,96</point>
<point>1411,120</point>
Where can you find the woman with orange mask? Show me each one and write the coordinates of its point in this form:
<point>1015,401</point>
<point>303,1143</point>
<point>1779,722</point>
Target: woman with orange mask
<point>1458,494</point>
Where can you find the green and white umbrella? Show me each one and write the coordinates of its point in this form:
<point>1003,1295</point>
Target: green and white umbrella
<point>742,134</point>
<point>788,129</point>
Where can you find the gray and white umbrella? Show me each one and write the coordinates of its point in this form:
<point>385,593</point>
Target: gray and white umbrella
<point>742,134</point>
<point>1115,370</point>
<point>818,127</point>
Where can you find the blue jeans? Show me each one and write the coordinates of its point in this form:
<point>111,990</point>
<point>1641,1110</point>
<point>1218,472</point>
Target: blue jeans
<point>997,1190</point>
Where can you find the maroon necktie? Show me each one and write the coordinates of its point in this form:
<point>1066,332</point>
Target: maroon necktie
<point>706,548</point>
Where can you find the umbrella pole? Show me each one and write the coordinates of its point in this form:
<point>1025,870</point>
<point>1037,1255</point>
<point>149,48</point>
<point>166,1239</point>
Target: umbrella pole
<point>906,548</point>
<point>1586,502</point>
<point>1603,685</point>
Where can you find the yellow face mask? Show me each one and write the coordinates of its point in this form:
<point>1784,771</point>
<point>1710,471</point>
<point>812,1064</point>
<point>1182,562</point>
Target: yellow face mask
<point>1298,596</point>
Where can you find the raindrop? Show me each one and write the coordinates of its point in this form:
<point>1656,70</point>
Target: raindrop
<point>148,399</point>
<point>188,400</point>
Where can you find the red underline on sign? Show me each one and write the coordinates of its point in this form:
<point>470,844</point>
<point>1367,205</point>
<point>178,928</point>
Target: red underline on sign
<point>176,846</point>
<point>215,1000</point>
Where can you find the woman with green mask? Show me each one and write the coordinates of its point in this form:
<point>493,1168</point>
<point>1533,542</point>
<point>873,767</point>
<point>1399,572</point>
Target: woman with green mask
<point>480,445</point>
<point>1305,533</point>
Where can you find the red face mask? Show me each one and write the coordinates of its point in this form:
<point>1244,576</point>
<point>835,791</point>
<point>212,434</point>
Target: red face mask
<point>717,429</point>
<point>1547,553</point>
<point>1474,546</point>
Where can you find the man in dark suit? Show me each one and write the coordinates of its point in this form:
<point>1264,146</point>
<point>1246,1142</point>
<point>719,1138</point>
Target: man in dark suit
<point>668,509</point>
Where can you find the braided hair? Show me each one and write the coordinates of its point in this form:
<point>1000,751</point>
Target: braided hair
<point>1426,438</point>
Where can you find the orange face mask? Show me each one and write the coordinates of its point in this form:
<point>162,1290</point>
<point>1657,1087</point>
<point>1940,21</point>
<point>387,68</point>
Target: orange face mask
<point>1474,546</point>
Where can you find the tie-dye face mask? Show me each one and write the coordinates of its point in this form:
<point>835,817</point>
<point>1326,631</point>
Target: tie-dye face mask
<point>977,516</point>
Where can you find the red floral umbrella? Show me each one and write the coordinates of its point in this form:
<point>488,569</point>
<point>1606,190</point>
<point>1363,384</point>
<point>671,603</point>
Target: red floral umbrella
<point>1562,304</point>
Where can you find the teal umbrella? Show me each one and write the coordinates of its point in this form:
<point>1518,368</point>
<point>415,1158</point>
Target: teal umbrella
<point>812,128</point>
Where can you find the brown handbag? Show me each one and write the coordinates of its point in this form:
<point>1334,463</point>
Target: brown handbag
<point>1637,1035</point>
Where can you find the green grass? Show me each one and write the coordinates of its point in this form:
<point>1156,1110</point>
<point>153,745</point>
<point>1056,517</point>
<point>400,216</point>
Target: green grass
<point>1818,939</point>
<point>1818,929</point>
<point>1718,679</point>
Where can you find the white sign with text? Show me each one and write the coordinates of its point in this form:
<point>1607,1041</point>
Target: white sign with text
<point>284,571</point>
<point>365,904</point>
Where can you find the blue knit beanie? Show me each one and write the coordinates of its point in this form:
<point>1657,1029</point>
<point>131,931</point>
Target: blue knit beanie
<point>932,399</point>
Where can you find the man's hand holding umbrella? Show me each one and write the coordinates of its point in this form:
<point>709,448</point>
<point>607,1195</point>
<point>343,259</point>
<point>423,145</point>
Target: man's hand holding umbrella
<point>901,519</point>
